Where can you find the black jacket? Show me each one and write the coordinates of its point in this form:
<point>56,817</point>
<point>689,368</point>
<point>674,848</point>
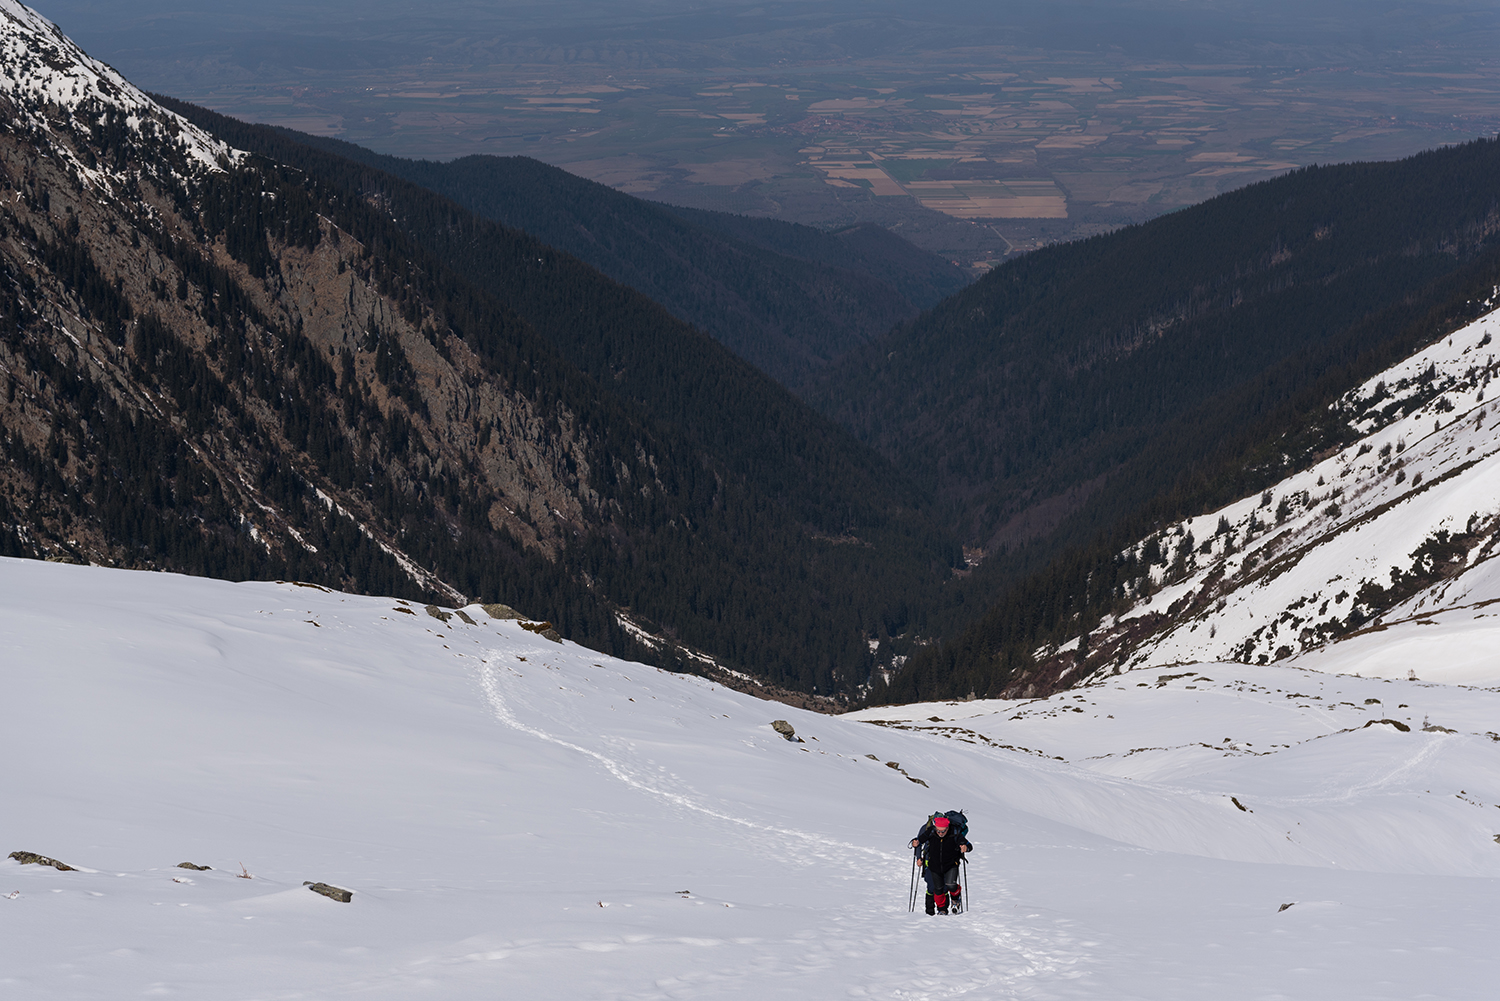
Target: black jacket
<point>941,852</point>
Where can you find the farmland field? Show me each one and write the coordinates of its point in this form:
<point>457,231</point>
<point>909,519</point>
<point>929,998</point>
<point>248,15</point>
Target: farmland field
<point>975,133</point>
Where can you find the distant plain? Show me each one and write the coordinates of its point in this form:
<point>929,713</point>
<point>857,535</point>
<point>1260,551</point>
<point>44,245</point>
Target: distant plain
<point>975,130</point>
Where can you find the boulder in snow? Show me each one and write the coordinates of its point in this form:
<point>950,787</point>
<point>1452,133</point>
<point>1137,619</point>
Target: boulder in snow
<point>32,858</point>
<point>338,893</point>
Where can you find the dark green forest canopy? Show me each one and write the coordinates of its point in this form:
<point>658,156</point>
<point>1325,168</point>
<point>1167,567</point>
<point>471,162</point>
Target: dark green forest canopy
<point>789,299</point>
<point>780,543</point>
<point>1059,366</point>
<point>1134,356</point>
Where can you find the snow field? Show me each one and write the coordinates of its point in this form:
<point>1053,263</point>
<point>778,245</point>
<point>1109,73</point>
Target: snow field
<point>517,815</point>
<point>1158,758</point>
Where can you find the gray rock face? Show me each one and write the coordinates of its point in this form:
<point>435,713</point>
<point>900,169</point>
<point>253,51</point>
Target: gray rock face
<point>544,630</point>
<point>338,893</point>
<point>32,858</point>
<point>784,728</point>
<point>194,866</point>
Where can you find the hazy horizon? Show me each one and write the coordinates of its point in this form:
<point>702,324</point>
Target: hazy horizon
<point>976,129</point>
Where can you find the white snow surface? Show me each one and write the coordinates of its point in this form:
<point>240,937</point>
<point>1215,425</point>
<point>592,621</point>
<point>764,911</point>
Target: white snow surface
<point>40,67</point>
<point>523,818</point>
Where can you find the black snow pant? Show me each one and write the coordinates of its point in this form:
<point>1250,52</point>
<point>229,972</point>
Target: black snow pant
<point>942,885</point>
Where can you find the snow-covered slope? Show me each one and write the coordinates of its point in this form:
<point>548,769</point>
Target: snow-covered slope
<point>520,817</point>
<point>43,71</point>
<point>1359,562</point>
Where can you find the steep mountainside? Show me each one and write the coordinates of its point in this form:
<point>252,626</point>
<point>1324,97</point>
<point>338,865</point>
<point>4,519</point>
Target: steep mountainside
<point>1025,394</point>
<point>788,299</point>
<point>238,365</point>
<point>204,371</point>
<point>1391,537</point>
<point>1384,540</point>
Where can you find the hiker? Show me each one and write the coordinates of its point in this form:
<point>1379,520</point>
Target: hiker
<point>942,848</point>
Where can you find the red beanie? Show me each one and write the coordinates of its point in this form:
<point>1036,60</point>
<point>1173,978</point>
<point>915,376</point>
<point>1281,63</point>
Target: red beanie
<point>940,822</point>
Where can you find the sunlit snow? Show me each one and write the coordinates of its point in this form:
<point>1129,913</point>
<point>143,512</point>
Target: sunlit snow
<point>41,68</point>
<point>520,817</point>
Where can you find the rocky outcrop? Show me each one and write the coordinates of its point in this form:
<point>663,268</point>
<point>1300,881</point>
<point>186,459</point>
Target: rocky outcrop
<point>338,893</point>
<point>32,858</point>
<point>543,629</point>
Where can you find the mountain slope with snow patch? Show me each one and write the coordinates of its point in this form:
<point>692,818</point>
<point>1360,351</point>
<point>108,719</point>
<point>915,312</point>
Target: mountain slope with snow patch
<point>42,70</point>
<point>1353,563</point>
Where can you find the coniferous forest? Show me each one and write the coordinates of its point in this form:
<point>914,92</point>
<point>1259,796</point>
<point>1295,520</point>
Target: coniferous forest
<point>354,372</point>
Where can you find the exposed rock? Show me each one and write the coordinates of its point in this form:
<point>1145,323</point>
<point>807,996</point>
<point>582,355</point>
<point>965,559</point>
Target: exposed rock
<point>1393,722</point>
<point>897,766</point>
<point>784,728</point>
<point>441,614</point>
<point>190,865</point>
<point>338,893</point>
<point>544,630</point>
<point>32,858</point>
<point>1284,907</point>
<point>501,612</point>
<point>758,687</point>
<point>464,616</point>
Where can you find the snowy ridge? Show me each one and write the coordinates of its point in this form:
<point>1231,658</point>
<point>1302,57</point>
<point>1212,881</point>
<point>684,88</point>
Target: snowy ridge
<point>520,816</point>
<point>1395,533</point>
<point>40,67</point>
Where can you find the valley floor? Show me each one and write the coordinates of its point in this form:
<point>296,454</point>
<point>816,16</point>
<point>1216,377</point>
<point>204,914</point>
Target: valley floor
<point>518,817</point>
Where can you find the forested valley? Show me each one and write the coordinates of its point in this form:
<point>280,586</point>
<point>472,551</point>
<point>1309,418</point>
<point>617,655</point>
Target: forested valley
<point>819,459</point>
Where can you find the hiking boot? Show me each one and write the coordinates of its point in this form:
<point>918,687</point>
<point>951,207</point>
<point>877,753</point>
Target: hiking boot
<point>929,904</point>
<point>942,910</point>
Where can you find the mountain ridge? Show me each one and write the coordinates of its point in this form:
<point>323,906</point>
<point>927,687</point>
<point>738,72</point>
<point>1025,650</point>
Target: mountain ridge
<point>1047,372</point>
<point>789,299</point>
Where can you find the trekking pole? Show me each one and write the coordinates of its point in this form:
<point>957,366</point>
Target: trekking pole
<point>965,882</point>
<point>911,897</point>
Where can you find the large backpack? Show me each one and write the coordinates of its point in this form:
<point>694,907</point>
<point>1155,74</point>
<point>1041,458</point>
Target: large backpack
<point>956,820</point>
